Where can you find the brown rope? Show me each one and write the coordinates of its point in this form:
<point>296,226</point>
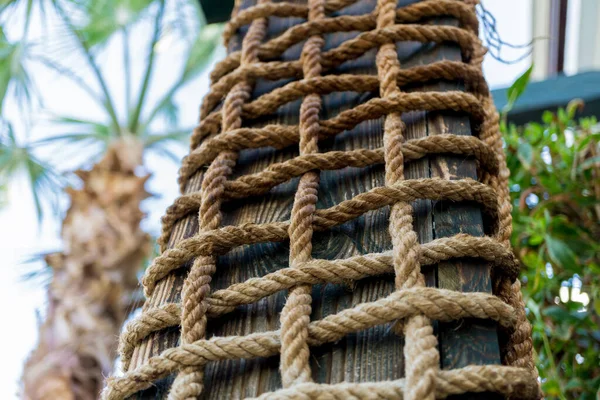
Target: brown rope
<point>295,315</point>
<point>223,133</point>
<point>359,45</point>
<point>507,381</point>
<point>372,109</point>
<point>412,13</point>
<point>189,383</point>
<point>420,345</point>
<point>262,182</point>
<point>319,271</point>
<point>439,304</point>
<point>219,241</point>
<point>447,70</point>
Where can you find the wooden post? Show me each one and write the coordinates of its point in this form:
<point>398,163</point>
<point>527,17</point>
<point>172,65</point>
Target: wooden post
<point>374,354</point>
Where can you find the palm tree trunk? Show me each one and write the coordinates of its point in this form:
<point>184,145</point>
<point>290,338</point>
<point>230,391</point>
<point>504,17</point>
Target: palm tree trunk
<point>94,279</point>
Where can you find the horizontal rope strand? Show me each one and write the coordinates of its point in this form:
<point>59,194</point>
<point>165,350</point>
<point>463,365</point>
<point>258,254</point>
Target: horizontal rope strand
<point>439,304</point>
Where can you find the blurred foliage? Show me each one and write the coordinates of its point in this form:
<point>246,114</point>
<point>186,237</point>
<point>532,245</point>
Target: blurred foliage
<point>555,190</point>
<point>16,159</point>
<point>73,45</point>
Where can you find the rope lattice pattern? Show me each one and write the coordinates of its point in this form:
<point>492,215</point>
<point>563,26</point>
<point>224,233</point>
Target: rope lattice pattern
<point>221,135</point>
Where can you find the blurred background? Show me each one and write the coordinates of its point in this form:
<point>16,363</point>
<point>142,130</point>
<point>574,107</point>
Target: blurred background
<point>77,77</point>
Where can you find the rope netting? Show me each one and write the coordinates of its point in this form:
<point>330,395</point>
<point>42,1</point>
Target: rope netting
<point>221,136</point>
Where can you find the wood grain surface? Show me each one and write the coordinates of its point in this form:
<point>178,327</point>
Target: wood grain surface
<point>374,354</point>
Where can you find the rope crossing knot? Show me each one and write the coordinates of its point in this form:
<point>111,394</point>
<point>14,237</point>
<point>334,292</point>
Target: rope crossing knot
<point>214,175</point>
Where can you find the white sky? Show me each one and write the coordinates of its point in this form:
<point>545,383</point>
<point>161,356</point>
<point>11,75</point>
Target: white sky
<point>20,237</point>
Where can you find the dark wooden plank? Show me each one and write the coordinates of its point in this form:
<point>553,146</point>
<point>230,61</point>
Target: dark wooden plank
<point>248,378</point>
<point>375,354</point>
<point>464,342</point>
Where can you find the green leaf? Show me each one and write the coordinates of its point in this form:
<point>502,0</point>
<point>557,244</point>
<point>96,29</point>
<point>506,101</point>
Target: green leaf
<point>525,154</point>
<point>595,137</point>
<point>589,163</point>
<point>17,159</point>
<point>517,88</point>
<point>597,306</point>
<point>561,315</point>
<point>560,253</point>
<point>533,132</point>
<point>13,73</point>
<point>574,106</point>
<point>552,388</point>
<point>548,117</point>
<point>178,136</point>
<point>98,130</point>
<point>535,240</point>
<point>105,18</point>
<point>535,309</point>
<point>198,57</point>
<point>170,112</point>
<point>134,117</point>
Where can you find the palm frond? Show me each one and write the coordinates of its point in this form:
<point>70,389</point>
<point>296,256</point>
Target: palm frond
<point>17,160</point>
<point>137,111</point>
<point>34,268</point>
<point>85,48</point>
<point>198,57</point>
<point>68,73</point>
<point>100,131</point>
<point>170,112</point>
<point>98,21</point>
<point>165,152</point>
<point>13,72</point>
<point>179,136</point>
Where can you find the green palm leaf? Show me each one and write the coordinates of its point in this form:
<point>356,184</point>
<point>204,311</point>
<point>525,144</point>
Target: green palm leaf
<point>13,73</point>
<point>18,160</point>
<point>198,57</point>
<point>97,21</point>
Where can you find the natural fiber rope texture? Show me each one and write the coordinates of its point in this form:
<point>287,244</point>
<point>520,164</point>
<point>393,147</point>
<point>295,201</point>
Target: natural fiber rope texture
<point>295,316</point>
<point>224,132</point>
<point>439,304</point>
<point>507,381</point>
<point>420,345</point>
<point>315,272</point>
<point>190,381</point>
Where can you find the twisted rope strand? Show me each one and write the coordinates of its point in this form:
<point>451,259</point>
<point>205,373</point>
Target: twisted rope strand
<point>320,271</point>
<point>439,304</point>
<point>507,381</point>
<point>421,357</point>
<point>410,13</point>
<point>189,382</point>
<point>221,240</point>
<point>275,174</point>
<point>221,135</point>
<point>370,110</point>
<point>356,47</point>
<point>295,316</point>
<point>447,70</point>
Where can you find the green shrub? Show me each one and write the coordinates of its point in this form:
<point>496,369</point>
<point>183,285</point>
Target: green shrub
<point>555,190</point>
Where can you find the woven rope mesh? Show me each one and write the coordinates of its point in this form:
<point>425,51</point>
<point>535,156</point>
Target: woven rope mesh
<point>310,96</point>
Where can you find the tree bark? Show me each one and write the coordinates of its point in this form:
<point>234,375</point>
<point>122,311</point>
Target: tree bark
<point>93,281</point>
